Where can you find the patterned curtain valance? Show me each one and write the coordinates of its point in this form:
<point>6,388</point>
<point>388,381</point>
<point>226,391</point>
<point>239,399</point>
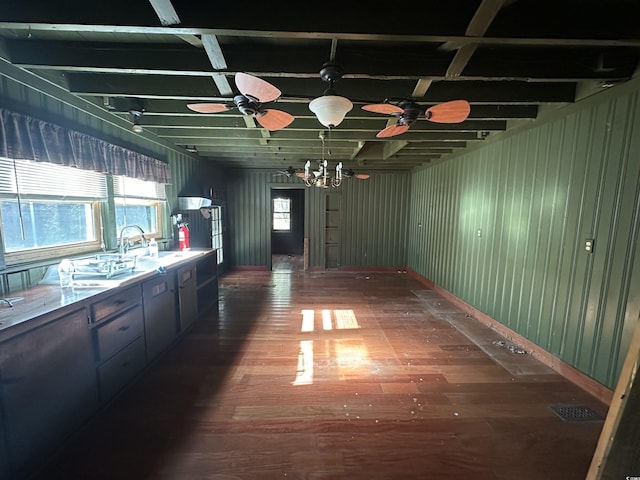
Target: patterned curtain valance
<point>24,137</point>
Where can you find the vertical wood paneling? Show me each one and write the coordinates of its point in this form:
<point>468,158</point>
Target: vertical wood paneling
<point>537,196</point>
<point>373,219</point>
<point>190,175</point>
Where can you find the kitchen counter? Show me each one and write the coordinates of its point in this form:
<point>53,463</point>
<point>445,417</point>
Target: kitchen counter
<point>34,303</point>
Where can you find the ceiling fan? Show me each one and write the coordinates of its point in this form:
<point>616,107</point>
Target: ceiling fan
<point>408,112</point>
<point>253,93</point>
<point>349,173</point>
<point>289,172</point>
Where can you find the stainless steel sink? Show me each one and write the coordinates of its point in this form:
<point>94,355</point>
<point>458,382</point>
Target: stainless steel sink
<point>105,265</point>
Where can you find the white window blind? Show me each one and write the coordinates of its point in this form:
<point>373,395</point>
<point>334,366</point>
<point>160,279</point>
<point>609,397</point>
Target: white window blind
<point>127,187</point>
<point>46,180</point>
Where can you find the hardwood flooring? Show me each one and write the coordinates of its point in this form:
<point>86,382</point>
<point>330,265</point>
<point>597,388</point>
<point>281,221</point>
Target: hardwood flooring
<point>336,375</point>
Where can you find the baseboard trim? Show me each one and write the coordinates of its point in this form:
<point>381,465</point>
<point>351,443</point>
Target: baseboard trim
<point>575,376</point>
<point>249,268</point>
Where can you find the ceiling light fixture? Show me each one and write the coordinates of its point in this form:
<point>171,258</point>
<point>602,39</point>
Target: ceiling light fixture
<point>321,177</point>
<point>330,108</point>
<point>136,114</point>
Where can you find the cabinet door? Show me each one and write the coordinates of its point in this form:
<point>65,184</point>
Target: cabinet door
<point>187,296</point>
<point>160,321</point>
<point>49,388</point>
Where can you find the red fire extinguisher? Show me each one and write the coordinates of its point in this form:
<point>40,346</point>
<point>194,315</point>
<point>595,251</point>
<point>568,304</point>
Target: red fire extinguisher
<point>183,236</point>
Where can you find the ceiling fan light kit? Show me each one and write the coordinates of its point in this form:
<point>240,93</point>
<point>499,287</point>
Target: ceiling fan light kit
<point>330,109</point>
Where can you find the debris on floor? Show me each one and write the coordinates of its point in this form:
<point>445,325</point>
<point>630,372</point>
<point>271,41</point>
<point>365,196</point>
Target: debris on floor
<point>510,346</point>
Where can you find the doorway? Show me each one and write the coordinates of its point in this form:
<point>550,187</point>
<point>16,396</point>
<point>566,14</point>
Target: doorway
<point>287,229</point>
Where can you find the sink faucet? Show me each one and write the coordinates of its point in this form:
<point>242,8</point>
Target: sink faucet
<point>124,241</point>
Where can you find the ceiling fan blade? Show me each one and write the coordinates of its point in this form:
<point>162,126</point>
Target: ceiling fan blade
<point>256,87</point>
<point>385,108</point>
<point>455,111</point>
<point>208,107</point>
<point>362,176</point>
<point>274,119</point>
<point>392,131</point>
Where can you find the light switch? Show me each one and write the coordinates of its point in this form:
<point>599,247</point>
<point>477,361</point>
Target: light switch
<point>479,232</point>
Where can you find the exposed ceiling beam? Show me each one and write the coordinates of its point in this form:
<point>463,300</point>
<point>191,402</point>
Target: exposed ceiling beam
<point>477,27</point>
<point>165,11</point>
<point>457,40</point>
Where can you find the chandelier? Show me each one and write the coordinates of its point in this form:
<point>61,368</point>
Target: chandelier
<point>323,177</point>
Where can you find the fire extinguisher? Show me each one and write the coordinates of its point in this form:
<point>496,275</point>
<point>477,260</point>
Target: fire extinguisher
<point>183,237</point>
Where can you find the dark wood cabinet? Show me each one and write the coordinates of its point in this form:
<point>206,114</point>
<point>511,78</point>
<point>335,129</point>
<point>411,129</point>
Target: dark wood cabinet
<point>207,281</point>
<point>48,388</point>
<point>160,317</point>
<point>119,347</point>
<point>56,375</point>
<point>187,296</point>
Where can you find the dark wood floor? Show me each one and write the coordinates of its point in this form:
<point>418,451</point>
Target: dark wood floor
<point>337,375</point>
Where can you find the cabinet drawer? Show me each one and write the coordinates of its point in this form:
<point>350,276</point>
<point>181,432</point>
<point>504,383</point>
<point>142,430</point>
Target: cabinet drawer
<point>115,303</point>
<point>116,372</point>
<point>115,334</point>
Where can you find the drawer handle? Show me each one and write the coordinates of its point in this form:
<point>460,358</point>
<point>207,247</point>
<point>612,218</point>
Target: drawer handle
<point>120,301</point>
<point>124,328</point>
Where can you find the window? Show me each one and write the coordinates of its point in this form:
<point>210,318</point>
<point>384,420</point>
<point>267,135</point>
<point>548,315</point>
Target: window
<point>42,218</point>
<point>216,231</point>
<point>282,214</point>
<point>138,202</point>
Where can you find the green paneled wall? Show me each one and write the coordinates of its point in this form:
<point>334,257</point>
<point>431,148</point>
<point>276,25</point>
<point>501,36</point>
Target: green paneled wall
<point>22,92</point>
<point>503,227</point>
<point>373,218</point>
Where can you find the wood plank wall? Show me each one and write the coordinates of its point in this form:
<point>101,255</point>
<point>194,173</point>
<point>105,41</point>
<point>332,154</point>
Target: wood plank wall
<point>503,228</point>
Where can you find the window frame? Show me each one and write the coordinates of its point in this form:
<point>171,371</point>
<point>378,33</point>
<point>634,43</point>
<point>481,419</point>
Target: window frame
<point>287,212</point>
<point>39,254</point>
<point>25,181</point>
<point>126,201</point>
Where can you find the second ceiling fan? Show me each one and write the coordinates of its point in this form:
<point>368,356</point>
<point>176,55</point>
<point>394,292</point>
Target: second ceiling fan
<point>253,93</point>
<point>408,112</point>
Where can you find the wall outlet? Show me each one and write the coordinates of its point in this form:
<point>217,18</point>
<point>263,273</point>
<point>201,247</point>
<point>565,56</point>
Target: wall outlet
<point>589,244</point>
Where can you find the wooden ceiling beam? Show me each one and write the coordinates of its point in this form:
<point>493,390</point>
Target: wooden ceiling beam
<point>458,40</point>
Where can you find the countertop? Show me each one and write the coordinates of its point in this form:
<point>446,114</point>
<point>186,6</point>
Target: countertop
<point>38,301</point>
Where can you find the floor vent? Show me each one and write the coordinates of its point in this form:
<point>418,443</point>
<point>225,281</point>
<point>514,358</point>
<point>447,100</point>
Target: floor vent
<point>575,413</point>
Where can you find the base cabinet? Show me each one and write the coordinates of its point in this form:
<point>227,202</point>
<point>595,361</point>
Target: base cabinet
<point>207,273</point>
<point>160,317</point>
<point>48,389</point>
<point>187,296</point>
<point>120,369</point>
<point>54,377</point>
<point>118,325</point>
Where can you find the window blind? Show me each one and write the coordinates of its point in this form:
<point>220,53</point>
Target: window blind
<point>46,180</point>
<point>127,187</point>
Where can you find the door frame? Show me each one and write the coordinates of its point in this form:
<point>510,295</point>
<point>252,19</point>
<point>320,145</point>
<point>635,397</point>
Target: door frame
<point>285,186</point>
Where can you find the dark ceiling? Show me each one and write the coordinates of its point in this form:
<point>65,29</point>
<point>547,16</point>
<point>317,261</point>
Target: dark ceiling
<point>511,59</point>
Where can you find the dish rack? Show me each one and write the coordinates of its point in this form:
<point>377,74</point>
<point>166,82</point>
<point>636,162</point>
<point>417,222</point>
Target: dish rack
<point>104,265</point>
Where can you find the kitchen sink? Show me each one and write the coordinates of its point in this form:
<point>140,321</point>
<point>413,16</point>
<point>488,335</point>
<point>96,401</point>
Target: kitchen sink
<point>105,265</point>
<point>107,270</point>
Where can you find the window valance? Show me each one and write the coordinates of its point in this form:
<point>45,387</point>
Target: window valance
<point>25,137</point>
